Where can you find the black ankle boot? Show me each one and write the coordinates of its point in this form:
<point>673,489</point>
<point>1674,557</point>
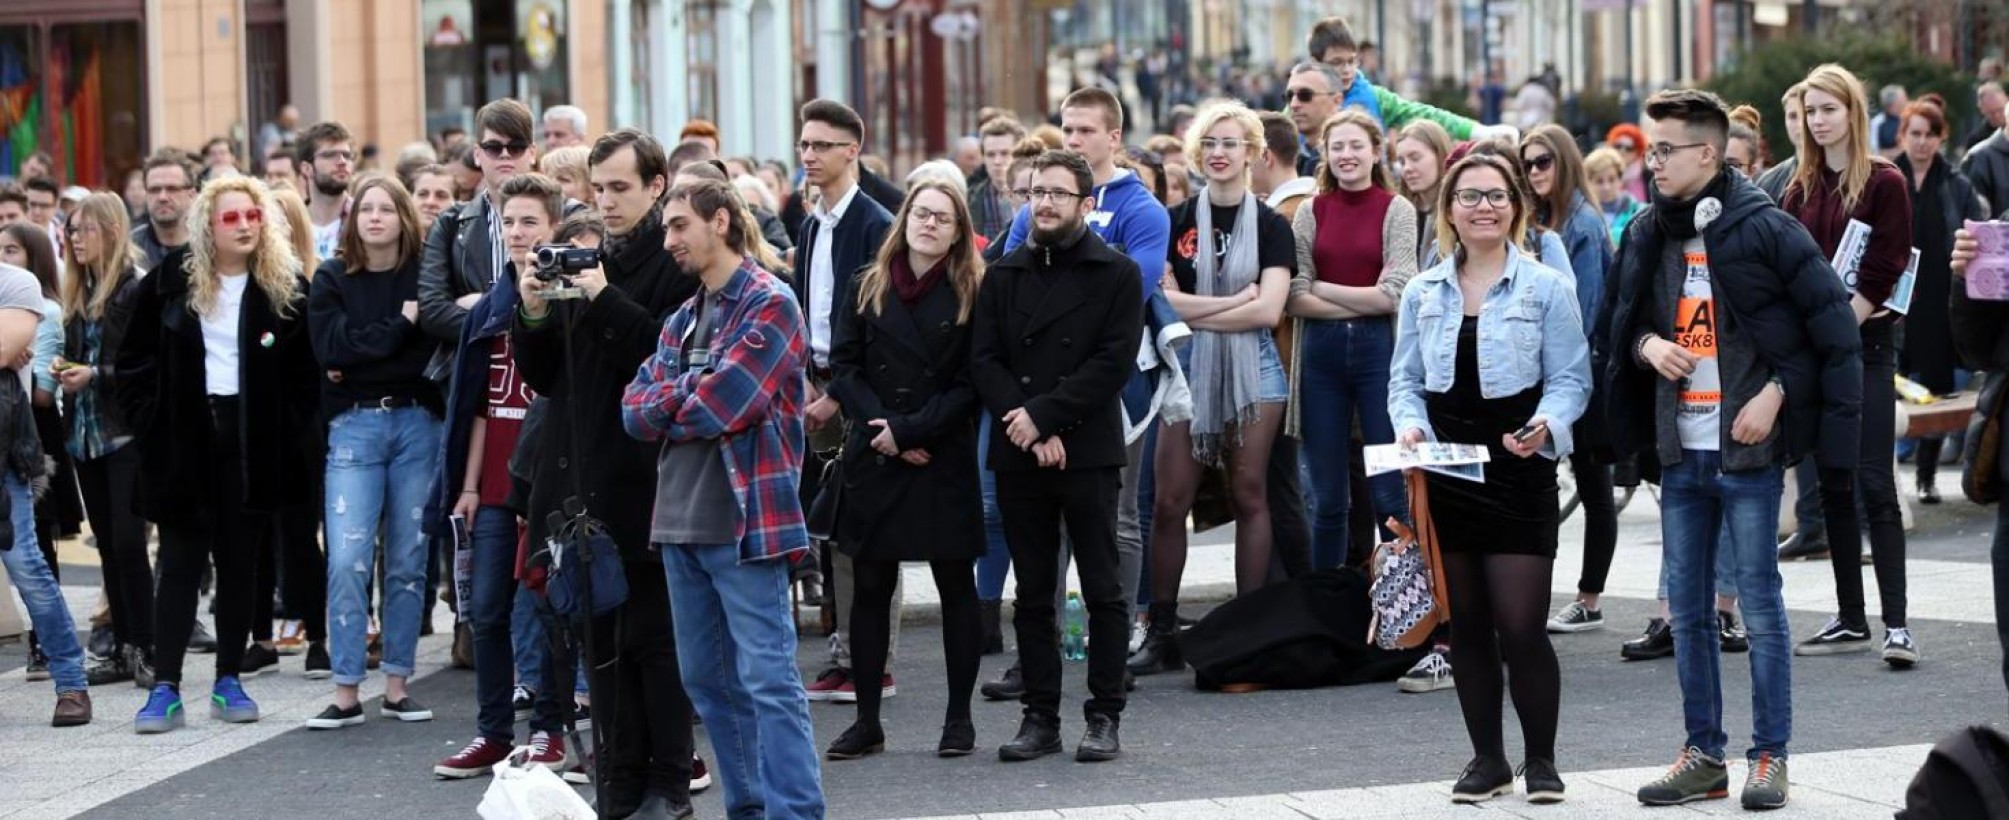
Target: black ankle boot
<point>1160,652</point>
<point>858,741</point>
<point>987,616</point>
<point>959,738</point>
<point>1038,736</point>
<point>1100,742</point>
<point>1009,686</point>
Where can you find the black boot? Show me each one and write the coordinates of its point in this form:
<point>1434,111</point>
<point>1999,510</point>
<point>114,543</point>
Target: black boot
<point>1160,652</point>
<point>987,616</point>
<point>1100,741</point>
<point>1038,736</point>
<point>1010,686</point>
<point>856,742</point>
<point>959,738</point>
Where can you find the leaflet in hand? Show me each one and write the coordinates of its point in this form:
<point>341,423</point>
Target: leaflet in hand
<point>1464,461</point>
<point>463,568</point>
<point>1988,274</point>
<point>1848,263</point>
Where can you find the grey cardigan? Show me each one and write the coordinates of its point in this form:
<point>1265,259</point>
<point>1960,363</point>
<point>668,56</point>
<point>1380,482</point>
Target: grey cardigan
<point>1398,265</point>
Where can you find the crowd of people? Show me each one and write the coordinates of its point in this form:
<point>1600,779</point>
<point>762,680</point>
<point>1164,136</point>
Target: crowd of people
<point>719,378</point>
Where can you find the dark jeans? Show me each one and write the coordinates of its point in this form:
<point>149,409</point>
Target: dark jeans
<point>1290,530</point>
<point>1999,559</point>
<point>634,671</point>
<point>1036,505</point>
<point>221,530</point>
<point>296,563</point>
<point>1876,487</point>
<point>109,484</point>
<point>493,534</point>
<point>1345,371</point>
<point>1600,520</point>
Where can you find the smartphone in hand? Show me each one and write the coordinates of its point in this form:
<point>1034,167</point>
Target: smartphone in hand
<point>1528,432</point>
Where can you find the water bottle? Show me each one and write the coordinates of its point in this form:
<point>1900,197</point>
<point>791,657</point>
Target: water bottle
<point>1074,630</point>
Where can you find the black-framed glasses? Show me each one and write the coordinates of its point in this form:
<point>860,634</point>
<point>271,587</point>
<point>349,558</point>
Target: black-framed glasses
<point>160,190</point>
<point>819,146</point>
<point>927,216</point>
<point>333,155</point>
<point>1057,195</point>
<point>1021,194</point>
<point>1541,163</point>
<point>1471,197</point>
<point>496,149</point>
<point>1664,151</point>
<point>1305,95</point>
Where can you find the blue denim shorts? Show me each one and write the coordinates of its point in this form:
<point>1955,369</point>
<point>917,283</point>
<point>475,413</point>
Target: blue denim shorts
<point>1272,386</point>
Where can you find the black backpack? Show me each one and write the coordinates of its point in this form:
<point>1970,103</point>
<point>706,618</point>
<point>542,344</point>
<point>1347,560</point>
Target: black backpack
<point>1965,776</point>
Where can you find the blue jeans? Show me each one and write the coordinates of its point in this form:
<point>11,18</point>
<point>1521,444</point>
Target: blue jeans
<point>380,468</point>
<point>736,648</point>
<point>1705,511</point>
<point>996,562</point>
<point>526,638</point>
<point>47,613</point>
<point>1726,570</point>
<point>1345,370</point>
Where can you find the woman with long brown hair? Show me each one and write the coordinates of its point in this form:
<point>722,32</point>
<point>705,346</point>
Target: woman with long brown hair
<point>1841,183</point>
<point>217,380</point>
<point>97,299</point>
<point>901,362</point>
<point>1421,150</point>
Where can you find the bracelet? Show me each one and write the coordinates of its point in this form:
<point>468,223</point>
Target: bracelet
<point>1639,347</point>
<point>470,492</point>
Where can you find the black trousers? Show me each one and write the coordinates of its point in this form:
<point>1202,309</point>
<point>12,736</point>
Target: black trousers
<point>221,530</point>
<point>1035,505</point>
<point>1873,486</point>
<point>1290,526</point>
<point>649,723</point>
<point>297,568</point>
<point>109,484</point>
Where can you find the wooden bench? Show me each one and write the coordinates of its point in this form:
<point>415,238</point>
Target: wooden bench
<point>1947,416</point>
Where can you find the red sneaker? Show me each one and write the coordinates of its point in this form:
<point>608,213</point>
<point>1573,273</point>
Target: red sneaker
<point>479,758</point>
<point>547,750</point>
<point>848,693</point>
<point>701,777</point>
<point>829,683</point>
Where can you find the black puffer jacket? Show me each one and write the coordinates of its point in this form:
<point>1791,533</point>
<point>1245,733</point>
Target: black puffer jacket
<point>1987,166</point>
<point>1775,288</point>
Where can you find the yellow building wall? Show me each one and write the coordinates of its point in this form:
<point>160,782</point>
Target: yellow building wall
<point>201,70</point>
<point>586,45</point>
<point>374,51</point>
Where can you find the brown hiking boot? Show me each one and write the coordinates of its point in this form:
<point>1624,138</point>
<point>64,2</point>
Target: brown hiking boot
<point>72,709</point>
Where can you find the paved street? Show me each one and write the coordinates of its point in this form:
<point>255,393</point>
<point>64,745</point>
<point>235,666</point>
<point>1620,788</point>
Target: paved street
<point>1361,752</point>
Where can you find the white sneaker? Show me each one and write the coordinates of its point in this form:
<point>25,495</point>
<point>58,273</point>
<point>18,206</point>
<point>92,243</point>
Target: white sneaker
<point>1137,633</point>
<point>1430,674</point>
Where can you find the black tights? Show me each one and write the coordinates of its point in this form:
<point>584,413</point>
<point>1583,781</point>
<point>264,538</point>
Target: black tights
<point>1499,609</point>
<point>871,631</point>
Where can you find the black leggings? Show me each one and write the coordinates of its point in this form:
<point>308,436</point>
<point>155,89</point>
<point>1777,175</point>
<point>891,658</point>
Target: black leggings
<point>1499,608</point>
<point>109,484</point>
<point>871,631</point>
<point>220,529</point>
<point>1873,484</point>
<point>296,561</point>
<point>1600,520</point>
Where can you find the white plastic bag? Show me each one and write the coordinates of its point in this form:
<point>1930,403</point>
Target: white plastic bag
<point>534,793</point>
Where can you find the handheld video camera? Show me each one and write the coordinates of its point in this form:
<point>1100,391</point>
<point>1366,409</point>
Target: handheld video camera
<point>554,261</point>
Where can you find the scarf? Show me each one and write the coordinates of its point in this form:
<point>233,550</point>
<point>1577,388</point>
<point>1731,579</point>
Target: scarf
<point>1677,218</point>
<point>650,228</point>
<point>1226,366</point>
<point>909,288</point>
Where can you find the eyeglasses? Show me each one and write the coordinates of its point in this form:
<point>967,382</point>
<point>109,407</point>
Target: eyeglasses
<point>926,216</point>
<point>246,216</point>
<point>1021,194</point>
<point>497,150</point>
<point>81,229</point>
<point>1662,152</point>
<point>161,190</point>
<point>819,146</point>
<point>1471,197</point>
<point>1541,163</point>
<point>1225,144</point>
<point>1057,195</point>
<point>336,156</point>
<point>1305,95</point>
<point>1735,165</point>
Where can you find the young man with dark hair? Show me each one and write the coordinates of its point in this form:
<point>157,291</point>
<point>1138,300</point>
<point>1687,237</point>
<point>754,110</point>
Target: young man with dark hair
<point>1057,440</point>
<point>688,152</point>
<point>724,393</point>
<point>464,251</point>
<point>1275,175</point>
<point>991,205</point>
<point>840,236</point>
<point>13,204</point>
<point>170,191</point>
<point>280,172</point>
<point>839,118</point>
<point>1731,352</point>
<point>612,330</point>
<point>328,158</point>
<point>43,196</point>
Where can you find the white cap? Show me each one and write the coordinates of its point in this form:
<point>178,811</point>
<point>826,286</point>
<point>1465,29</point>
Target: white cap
<point>76,193</point>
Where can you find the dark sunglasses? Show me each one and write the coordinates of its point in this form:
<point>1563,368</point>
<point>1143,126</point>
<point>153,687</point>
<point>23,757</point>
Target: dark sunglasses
<point>496,150</point>
<point>1541,163</point>
<point>1305,95</point>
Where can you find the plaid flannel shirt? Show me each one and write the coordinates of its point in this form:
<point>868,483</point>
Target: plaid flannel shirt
<point>749,400</point>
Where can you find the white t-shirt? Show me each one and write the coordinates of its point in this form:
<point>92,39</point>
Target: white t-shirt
<point>219,337</point>
<point>1699,413</point>
<point>327,238</point>
<point>823,276</point>
<point>20,289</point>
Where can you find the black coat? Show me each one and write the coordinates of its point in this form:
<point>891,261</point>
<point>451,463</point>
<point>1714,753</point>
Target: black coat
<point>911,367</point>
<point>112,328</point>
<point>611,337</point>
<point>162,392</point>
<point>1987,166</point>
<point>1063,351</point>
<point>1771,279</point>
<point>1938,209</point>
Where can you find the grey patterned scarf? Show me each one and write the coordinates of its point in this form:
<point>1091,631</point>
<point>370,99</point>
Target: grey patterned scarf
<point>1226,366</point>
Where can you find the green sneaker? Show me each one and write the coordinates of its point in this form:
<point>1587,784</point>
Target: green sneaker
<point>1694,776</point>
<point>1765,786</point>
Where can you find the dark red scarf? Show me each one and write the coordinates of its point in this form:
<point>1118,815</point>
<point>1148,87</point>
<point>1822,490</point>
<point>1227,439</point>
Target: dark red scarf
<point>911,289</point>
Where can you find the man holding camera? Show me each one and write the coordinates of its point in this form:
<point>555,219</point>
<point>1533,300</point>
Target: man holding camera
<point>615,309</point>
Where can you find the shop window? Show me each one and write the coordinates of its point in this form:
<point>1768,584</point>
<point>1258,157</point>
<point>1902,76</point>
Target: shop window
<point>21,97</point>
<point>701,23</point>
<point>450,66</point>
<point>76,92</point>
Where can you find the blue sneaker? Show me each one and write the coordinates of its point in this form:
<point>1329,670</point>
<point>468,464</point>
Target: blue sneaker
<point>228,703</point>
<point>162,712</point>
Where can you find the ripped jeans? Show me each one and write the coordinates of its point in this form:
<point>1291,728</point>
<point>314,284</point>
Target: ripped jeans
<point>380,468</point>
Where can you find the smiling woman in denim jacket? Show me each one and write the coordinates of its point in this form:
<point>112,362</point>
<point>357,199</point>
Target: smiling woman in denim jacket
<point>1499,537</point>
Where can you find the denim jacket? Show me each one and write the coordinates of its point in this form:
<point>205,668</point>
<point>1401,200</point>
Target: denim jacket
<point>1529,332</point>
